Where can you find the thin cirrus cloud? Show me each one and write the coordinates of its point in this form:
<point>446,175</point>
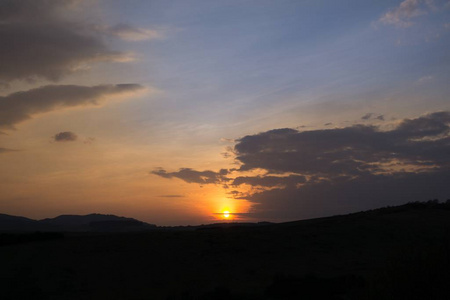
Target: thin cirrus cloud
<point>6,150</point>
<point>131,33</point>
<point>402,15</point>
<point>65,136</point>
<point>21,106</point>
<point>342,169</point>
<point>406,14</point>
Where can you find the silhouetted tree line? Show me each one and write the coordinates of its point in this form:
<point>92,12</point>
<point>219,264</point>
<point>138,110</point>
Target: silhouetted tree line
<point>416,205</point>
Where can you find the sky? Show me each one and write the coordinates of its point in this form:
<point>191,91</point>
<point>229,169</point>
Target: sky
<point>172,112</point>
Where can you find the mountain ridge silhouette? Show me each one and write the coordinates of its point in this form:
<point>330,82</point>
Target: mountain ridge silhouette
<point>90,222</point>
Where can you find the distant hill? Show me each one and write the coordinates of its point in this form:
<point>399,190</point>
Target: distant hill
<point>77,220</point>
<point>73,223</point>
<point>14,223</point>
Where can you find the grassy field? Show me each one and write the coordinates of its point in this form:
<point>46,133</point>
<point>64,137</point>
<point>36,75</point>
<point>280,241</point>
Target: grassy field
<point>392,253</point>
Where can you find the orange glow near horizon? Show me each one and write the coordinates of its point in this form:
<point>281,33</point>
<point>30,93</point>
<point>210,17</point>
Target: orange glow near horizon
<point>212,201</point>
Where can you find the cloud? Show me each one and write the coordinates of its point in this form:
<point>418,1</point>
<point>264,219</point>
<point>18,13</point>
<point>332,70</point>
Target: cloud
<point>89,140</point>
<point>65,136</point>
<point>425,79</point>
<point>130,33</point>
<point>401,16</point>
<point>371,116</point>
<point>348,151</point>
<point>6,150</point>
<point>193,176</point>
<point>367,116</point>
<point>269,181</point>
<point>20,106</point>
<point>49,39</point>
<point>331,171</point>
<point>408,10</point>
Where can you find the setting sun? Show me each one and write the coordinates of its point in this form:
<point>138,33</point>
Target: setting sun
<point>226,214</point>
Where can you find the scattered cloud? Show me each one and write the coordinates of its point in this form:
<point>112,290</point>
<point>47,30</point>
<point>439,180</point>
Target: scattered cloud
<point>402,15</point>
<point>425,79</point>
<point>89,140</point>
<point>371,116</point>
<point>367,116</point>
<point>408,12</point>
<point>130,33</point>
<point>226,154</point>
<point>65,136</point>
<point>49,39</point>
<point>6,150</point>
<point>20,106</point>
<point>226,140</point>
<point>193,176</point>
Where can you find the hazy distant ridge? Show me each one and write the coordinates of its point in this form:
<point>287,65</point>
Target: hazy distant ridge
<point>91,222</point>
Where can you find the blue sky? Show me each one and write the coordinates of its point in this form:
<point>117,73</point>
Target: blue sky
<point>221,61</point>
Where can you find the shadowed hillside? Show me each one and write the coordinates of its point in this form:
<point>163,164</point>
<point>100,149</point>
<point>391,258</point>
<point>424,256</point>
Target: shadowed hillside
<point>390,253</point>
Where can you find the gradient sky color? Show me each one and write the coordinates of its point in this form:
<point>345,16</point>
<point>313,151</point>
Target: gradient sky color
<point>154,109</point>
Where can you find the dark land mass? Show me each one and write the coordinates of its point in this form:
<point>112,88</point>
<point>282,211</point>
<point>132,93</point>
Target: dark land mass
<point>398,252</point>
<point>73,223</point>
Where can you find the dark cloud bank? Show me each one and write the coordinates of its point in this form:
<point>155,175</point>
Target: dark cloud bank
<point>332,171</point>
<point>42,39</point>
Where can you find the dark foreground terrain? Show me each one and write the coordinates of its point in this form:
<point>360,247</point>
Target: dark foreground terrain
<point>391,253</point>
